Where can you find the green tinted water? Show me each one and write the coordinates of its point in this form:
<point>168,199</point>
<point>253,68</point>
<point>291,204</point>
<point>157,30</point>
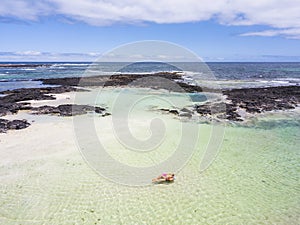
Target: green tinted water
<point>253,180</point>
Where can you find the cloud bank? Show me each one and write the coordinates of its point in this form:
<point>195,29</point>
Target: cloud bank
<point>35,56</point>
<point>47,56</point>
<point>282,16</point>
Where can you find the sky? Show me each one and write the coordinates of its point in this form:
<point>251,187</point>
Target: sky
<point>82,30</point>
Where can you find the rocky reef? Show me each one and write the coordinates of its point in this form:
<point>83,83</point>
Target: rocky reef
<point>257,100</point>
<point>155,81</point>
<point>68,110</point>
<point>251,100</point>
<point>11,103</point>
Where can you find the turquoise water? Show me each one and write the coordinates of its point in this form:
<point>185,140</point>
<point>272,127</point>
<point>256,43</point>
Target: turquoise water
<point>254,180</point>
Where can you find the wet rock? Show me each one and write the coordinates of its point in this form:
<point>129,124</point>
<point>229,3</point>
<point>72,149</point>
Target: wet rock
<point>106,114</point>
<point>25,94</point>
<point>108,80</point>
<point>185,114</point>
<point>186,110</point>
<point>253,100</point>
<point>45,109</point>
<point>203,110</point>
<point>10,103</point>
<point>12,108</point>
<point>6,125</point>
<point>219,110</point>
<point>99,110</point>
<point>73,110</point>
<point>257,100</point>
<point>155,81</point>
<point>68,110</point>
<point>17,124</point>
<point>171,111</point>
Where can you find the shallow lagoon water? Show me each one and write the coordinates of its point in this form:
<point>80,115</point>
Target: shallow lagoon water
<point>253,180</point>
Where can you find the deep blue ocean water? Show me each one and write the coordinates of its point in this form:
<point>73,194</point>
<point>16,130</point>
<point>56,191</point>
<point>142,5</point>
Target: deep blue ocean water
<point>227,75</point>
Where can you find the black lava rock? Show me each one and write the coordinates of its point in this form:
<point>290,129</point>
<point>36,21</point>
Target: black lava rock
<point>6,125</point>
<point>68,110</point>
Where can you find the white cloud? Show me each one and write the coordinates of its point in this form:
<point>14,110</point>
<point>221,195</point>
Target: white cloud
<point>283,16</point>
<point>29,53</point>
<point>25,9</point>
<point>87,57</point>
<point>293,33</point>
<point>94,54</point>
<point>47,56</point>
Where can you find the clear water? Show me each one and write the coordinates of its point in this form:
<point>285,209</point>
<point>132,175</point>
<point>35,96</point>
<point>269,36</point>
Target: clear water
<point>253,180</point>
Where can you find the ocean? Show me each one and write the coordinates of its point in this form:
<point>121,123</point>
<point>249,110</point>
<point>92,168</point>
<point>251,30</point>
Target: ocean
<point>15,75</point>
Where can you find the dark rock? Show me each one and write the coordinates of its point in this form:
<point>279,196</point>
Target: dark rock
<point>171,111</point>
<point>68,110</point>
<point>203,109</point>
<point>6,125</point>
<point>257,100</point>
<point>107,80</point>
<point>186,110</point>
<point>17,124</point>
<point>45,109</point>
<point>10,103</point>
<point>253,100</point>
<point>12,108</point>
<point>99,109</point>
<point>155,81</point>
<point>185,114</point>
<point>106,114</point>
<point>219,110</point>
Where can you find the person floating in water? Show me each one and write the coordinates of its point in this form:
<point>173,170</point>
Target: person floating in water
<point>164,177</point>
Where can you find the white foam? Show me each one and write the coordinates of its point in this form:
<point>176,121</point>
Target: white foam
<point>28,69</point>
<point>70,64</point>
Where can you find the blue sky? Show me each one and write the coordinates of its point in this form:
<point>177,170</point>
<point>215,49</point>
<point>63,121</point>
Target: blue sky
<point>55,30</point>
